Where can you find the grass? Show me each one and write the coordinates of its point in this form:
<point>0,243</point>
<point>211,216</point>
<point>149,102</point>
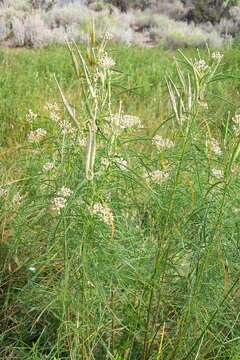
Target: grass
<point>132,266</point>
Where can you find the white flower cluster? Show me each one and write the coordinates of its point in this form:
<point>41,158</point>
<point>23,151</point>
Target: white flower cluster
<point>218,173</point>
<point>37,135</point>
<point>55,117</point>
<point>51,106</point>
<point>31,116</point>
<point>214,147</point>
<point>236,119</point>
<point>158,176</point>
<point>3,192</point>
<point>200,65</point>
<point>236,128</point>
<point>162,143</point>
<point>108,36</point>
<point>64,192</point>
<point>99,75</point>
<point>128,121</point>
<point>48,166</point>
<point>82,141</point>
<point>67,128</point>
<point>123,164</point>
<point>124,121</point>
<point>106,62</point>
<point>59,202</point>
<point>104,212</point>
<point>16,200</point>
<point>32,269</point>
<point>217,56</point>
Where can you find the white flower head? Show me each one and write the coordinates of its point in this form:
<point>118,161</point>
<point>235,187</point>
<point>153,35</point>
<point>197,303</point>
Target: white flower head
<point>218,173</point>
<point>64,192</point>
<point>3,192</point>
<point>31,116</point>
<point>106,61</point>
<point>37,135</point>
<point>32,269</point>
<point>214,147</point>
<point>108,36</point>
<point>128,121</point>
<point>158,176</point>
<point>236,119</point>
<point>99,75</point>
<point>51,107</point>
<point>217,56</point>
<point>54,116</point>
<point>82,142</point>
<point>67,128</point>
<point>104,212</point>
<point>122,164</point>
<point>236,130</point>
<point>162,143</point>
<point>125,121</point>
<point>59,203</point>
<point>200,65</point>
<point>17,199</point>
<point>48,166</point>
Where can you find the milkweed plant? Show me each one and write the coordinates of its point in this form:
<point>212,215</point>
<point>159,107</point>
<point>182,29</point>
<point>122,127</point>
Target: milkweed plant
<point>121,231</point>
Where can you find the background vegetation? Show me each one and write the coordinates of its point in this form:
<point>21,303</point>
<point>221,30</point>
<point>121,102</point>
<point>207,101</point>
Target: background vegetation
<point>171,24</point>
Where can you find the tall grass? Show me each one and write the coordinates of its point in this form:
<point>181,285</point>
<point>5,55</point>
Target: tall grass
<point>120,234</point>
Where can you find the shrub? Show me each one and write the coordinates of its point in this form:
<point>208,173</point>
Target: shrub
<point>209,10</point>
<point>3,30</point>
<point>67,15</point>
<point>175,9</point>
<point>173,34</point>
<point>45,21</point>
<point>18,30</point>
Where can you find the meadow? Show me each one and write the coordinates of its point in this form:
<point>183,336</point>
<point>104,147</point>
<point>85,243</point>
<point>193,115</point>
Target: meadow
<point>119,195</point>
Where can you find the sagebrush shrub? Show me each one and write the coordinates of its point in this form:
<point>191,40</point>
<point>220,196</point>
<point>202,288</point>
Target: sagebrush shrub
<point>42,22</point>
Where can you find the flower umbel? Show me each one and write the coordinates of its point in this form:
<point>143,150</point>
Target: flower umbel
<point>214,147</point>
<point>217,56</point>
<point>3,192</point>
<point>236,119</point>
<point>158,176</point>
<point>122,164</point>
<point>59,203</point>
<point>31,116</point>
<point>17,199</point>
<point>64,192</point>
<point>37,135</point>
<point>200,65</point>
<point>106,61</point>
<point>48,166</point>
<point>162,143</point>
<point>218,173</point>
<point>121,121</point>
<point>104,212</point>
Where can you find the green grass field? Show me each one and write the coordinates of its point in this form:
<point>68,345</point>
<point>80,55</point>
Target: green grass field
<point>141,260</point>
